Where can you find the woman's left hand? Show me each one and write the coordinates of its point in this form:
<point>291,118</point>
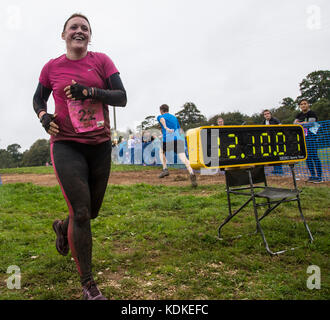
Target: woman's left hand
<point>77,91</point>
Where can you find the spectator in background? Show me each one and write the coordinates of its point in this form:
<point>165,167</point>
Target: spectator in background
<point>130,146</point>
<point>308,119</point>
<point>270,120</point>
<point>123,149</point>
<point>220,122</point>
<point>146,140</point>
<point>114,143</point>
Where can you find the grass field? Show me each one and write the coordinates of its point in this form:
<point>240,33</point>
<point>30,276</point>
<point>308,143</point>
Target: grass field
<point>158,242</point>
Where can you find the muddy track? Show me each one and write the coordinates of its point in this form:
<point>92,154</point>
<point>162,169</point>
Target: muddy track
<point>176,178</point>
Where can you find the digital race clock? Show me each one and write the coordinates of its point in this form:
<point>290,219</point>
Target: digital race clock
<point>231,146</point>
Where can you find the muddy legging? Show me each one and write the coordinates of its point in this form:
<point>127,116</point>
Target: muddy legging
<point>82,171</point>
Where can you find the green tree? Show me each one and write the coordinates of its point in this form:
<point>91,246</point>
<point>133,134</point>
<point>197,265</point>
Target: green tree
<point>229,118</point>
<point>257,118</point>
<point>13,150</point>
<point>289,104</point>
<point>6,159</point>
<point>315,86</point>
<point>148,123</point>
<point>37,155</point>
<point>322,109</point>
<point>190,117</point>
<point>286,111</point>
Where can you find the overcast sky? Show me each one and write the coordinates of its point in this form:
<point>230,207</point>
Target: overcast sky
<point>239,55</point>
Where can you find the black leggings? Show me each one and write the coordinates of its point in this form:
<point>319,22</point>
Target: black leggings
<point>82,171</point>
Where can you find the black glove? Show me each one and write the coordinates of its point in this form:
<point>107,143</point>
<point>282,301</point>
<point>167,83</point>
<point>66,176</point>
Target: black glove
<point>46,119</point>
<point>80,92</point>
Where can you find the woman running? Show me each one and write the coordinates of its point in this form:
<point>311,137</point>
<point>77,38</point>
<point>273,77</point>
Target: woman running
<point>83,83</point>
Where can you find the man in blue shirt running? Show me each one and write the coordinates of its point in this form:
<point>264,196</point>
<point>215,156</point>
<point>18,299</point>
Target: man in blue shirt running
<point>173,141</point>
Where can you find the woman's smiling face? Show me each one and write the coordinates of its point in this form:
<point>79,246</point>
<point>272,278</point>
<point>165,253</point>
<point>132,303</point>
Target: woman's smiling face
<point>77,34</point>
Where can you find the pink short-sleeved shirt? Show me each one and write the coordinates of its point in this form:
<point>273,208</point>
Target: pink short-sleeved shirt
<point>91,71</point>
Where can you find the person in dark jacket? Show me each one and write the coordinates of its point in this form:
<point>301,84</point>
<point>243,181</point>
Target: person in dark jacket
<point>308,119</point>
<point>269,119</point>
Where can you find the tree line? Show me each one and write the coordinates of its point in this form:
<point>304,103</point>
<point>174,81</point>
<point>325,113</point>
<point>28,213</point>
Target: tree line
<point>37,155</point>
<point>315,87</point>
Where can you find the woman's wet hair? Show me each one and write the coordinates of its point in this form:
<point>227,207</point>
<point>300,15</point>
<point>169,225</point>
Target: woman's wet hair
<point>80,16</point>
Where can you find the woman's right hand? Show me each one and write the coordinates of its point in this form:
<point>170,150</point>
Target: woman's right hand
<point>47,122</point>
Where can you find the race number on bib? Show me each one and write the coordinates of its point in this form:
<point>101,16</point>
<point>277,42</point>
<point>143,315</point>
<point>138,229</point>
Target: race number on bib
<point>86,115</point>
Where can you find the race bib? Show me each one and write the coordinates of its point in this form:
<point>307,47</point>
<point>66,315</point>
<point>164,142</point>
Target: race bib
<point>86,115</point>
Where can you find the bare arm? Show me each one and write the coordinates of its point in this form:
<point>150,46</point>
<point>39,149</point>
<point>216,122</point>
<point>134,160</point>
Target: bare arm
<point>163,122</point>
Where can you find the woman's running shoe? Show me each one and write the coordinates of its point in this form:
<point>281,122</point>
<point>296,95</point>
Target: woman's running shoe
<point>62,244</point>
<point>92,292</point>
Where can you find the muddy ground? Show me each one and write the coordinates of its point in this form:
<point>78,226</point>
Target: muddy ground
<point>176,178</point>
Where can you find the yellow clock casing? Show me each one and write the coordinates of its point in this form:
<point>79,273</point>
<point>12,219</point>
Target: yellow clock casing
<point>236,146</point>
